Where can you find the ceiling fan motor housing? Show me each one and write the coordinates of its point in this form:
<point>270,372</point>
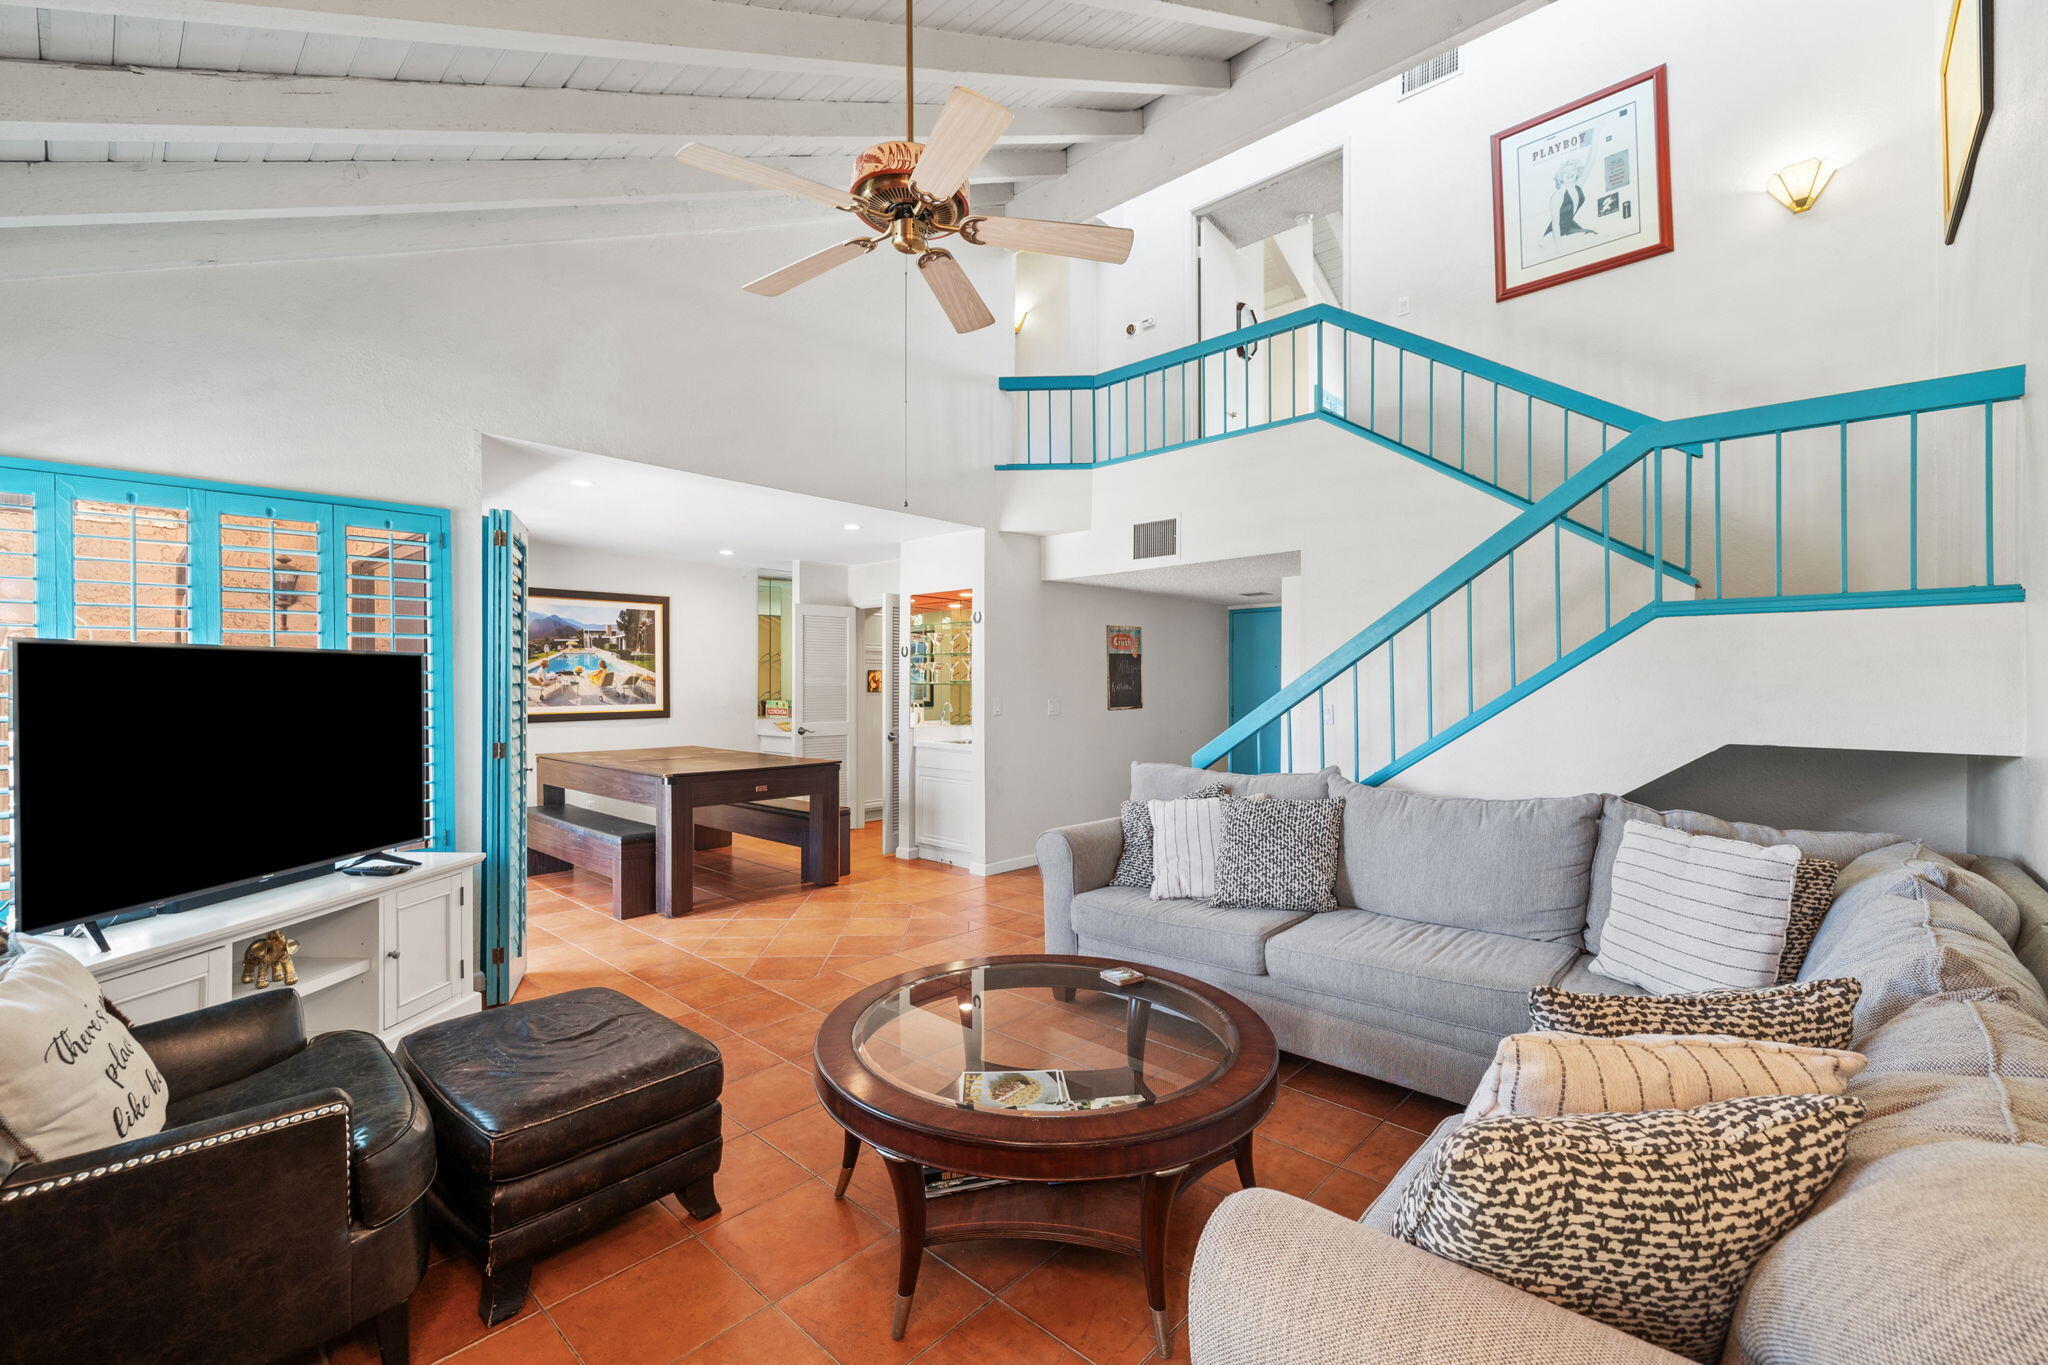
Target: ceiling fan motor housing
<point>884,198</point>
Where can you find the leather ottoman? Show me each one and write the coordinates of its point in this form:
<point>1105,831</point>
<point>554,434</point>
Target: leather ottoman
<point>555,1116</point>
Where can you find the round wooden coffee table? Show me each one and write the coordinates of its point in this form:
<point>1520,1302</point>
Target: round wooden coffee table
<point>1095,1103</point>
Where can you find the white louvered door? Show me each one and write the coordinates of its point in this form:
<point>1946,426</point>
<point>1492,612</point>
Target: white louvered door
<point>827,657</point>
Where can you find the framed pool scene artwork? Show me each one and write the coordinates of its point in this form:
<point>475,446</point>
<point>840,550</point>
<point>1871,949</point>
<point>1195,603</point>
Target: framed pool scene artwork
<point>595,655</point>
<point>1582,189</point>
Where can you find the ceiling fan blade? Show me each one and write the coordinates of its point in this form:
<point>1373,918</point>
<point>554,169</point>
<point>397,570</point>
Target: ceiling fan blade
<point>1086,241</point>
<point>809,268</point>
<point>954,291</point>
<point>754,173</point>
<point>967,127</point>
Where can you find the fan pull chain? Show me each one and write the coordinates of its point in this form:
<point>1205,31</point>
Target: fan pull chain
<point>906,385</point>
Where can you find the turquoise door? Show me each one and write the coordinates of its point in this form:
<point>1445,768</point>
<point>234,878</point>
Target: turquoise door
<point>1255,676</point>
<point>504,786</point>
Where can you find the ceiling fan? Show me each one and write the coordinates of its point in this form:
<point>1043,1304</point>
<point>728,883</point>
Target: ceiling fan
<point>913,194</point>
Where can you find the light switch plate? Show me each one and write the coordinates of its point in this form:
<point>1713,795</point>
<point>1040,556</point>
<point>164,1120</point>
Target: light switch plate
<point>1052,706</point>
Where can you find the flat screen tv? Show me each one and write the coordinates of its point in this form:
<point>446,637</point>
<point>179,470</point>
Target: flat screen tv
<point>157,777</point>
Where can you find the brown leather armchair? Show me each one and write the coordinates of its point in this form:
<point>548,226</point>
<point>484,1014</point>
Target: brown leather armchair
<point>279,1207</point>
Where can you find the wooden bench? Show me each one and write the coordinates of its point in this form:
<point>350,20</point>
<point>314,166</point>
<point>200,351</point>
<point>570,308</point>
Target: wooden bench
<point>784,821</point>
<point>564,836</point>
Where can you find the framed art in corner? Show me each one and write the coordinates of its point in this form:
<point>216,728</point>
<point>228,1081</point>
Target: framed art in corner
<point>596,655</point>
<point>1965,105</point>
<point>1584,188</point>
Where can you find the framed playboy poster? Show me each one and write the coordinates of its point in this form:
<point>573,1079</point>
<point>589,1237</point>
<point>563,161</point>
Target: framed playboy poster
<point>1583,189</point>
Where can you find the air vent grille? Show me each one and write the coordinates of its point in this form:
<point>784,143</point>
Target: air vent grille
<point>1152,539</point>
<point>1441,67</point>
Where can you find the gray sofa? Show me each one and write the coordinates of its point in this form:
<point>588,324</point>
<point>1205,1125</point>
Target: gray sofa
<point>1930,1246</point>
<point>1454,909</point>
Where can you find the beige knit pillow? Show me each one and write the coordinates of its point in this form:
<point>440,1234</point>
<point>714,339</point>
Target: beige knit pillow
<point>1545,1074</point>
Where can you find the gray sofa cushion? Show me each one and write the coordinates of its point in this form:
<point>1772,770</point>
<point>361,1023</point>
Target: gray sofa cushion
<point>1888,869</point>
<point>1457,976</point>
<point>1933,1254</point>
<point>1176,782</point>
<point>1436,1059</point>
<point>1912,943</point>
<point>1504,867</point>
<point>1196,931</point>
<point>1840,847</point>
<point>1964,1034</point>
<point>1581,977</point>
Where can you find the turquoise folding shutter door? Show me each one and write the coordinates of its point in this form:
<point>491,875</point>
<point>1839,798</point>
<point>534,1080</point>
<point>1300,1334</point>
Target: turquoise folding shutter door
<point>505,762</point>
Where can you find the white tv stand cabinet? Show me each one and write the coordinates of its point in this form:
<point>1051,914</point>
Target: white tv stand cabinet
<point>386,955</point>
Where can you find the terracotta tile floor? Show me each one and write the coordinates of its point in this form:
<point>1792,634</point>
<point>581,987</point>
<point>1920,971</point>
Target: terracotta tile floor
<point>785,1274</point>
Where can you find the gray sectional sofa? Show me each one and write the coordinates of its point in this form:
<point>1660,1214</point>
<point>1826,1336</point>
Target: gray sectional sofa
<point>1931,1246</point>
<point>1455,909</point>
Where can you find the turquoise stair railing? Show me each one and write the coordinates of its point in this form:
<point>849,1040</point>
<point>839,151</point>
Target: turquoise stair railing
<point>1885,497</point>
<point>1491,426</point>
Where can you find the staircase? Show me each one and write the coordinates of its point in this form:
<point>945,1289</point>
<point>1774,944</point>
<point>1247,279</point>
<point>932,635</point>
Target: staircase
<point>1653,596</point>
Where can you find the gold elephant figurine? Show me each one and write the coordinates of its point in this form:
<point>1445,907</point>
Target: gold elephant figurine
<point>269,960</point>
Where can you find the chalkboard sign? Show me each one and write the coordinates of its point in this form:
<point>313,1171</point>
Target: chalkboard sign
<point>1126,668</point>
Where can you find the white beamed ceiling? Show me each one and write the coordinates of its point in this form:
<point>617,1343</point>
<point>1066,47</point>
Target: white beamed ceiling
<point>144,134</point>
<point>116,39</point>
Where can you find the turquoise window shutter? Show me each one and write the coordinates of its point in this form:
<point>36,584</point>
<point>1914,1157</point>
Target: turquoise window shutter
<point>98,554</point>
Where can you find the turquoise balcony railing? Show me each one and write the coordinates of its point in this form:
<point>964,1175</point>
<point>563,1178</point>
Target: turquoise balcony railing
<point>1496,428</point>
<point>1879,498</point>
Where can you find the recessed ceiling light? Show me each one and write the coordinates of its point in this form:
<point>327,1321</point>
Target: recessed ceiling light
<point>581,483</point>
<point>725,552</point>
<point>853,526</point>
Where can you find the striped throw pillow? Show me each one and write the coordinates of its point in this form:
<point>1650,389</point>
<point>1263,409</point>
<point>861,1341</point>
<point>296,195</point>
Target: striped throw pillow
<point>1134,863</point>
<point>1545,1074</point>
<point>1695,913</point>
<point>1185,837</point>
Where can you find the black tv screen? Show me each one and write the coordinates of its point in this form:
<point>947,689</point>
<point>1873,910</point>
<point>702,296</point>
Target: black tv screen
<point>146,774</point>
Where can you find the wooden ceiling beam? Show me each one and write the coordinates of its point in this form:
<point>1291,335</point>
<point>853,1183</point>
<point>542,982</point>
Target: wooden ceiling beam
<point>704,33</point>
<point>1294,21</point>
<point>80,194</point>
<point>57,100</point>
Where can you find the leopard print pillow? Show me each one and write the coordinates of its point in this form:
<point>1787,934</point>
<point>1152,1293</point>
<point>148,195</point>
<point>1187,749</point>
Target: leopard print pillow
<point>1813,895</point>
<point>1648,1222</point>
<point>1134,864</point>
<point>1803,1013</point>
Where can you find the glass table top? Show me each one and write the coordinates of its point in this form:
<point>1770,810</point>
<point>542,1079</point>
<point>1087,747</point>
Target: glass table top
<point>1043,1040</point>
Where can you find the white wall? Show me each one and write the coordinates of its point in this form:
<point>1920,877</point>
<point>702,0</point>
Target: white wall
<point>711,655</point>
<point>377,376</point>
<point>1916,796</point>
<point>1047,642</point>
<point>1753,306</point>
<point>1989,312</point>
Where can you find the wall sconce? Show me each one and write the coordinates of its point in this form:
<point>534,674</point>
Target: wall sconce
<point>1022,318</point>
<point>1798,187</point>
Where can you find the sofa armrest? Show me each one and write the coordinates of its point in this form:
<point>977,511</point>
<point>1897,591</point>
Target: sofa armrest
<point>224,1043</point>
<point>208,1241</point>
<point>1277,1279</point>
<point>1072,860</point>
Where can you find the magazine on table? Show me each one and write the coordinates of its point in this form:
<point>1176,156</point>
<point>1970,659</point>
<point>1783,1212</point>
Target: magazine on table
<point>1030,1092</point>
